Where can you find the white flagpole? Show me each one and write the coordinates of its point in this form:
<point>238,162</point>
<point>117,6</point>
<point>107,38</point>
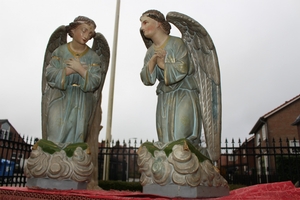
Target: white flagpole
<point>111,92</point>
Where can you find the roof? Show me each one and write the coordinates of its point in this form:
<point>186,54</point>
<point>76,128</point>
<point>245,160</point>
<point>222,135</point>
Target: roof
<point>2,121</point>
<point>248,140</point>
<point>262,120</point>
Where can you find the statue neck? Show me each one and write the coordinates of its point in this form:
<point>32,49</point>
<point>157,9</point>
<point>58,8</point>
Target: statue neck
<point>76,52</point>
<point>160,40</point>
<point>77,48</point>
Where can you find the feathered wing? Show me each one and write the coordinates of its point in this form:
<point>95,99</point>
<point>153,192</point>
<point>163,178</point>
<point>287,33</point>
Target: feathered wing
<point>58,38</point>
<point>100,46</point>
<point>204,57</point>
<point>147,42</point>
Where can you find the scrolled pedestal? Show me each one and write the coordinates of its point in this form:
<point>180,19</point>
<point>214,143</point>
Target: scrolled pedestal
<point>178,169</point>
<point>52,167</point>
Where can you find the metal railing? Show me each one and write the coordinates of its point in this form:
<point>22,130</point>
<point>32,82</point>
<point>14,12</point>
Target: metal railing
<point>122,160</point>
<point>249,162</point>
<point>261,161</point>
<point>14,150</point>
<point>245,163</point>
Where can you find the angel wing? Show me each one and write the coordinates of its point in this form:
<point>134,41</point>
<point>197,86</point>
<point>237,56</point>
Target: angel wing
<point>147,42</point>
<point>204,57</point>
<point>100,46</point>
<point>58,37</point>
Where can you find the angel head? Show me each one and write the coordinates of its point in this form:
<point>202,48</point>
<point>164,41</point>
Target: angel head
<point>153,19</point>
<point>85,25</point>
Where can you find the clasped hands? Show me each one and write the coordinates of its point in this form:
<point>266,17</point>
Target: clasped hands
<point>74,66</point>
<point>160,55</point>
<point>158,58</point>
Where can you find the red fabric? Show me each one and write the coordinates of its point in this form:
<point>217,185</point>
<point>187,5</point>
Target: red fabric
<point>270,191</point>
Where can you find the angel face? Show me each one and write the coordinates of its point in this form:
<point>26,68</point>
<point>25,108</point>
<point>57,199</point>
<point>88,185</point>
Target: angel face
<point>83,33</point>
<point>148,26</point>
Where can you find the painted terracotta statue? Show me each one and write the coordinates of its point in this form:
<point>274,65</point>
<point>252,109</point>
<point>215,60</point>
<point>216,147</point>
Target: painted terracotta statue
<point>72,82</point>
<point>189,92</point>
<point>73,75</point>
<point>189,98</point>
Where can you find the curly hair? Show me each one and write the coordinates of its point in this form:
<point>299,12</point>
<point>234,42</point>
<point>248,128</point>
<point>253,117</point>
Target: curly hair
<point>159,17</point>
<point>77,21</point>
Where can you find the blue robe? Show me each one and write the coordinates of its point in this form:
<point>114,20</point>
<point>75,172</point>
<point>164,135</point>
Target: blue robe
<point>178,108</point>
<point>70,98</point>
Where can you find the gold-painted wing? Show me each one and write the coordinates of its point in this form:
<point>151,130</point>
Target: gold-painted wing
<point>147,42</point>
<point>204,57</point>
<point>58,38</point>
<point>100,46</point>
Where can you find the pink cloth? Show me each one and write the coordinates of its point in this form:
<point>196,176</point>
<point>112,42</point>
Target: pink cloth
<point>270,191</point>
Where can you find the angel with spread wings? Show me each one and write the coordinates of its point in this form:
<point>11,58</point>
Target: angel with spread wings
<point>189,93</point>
<point>73,77</point>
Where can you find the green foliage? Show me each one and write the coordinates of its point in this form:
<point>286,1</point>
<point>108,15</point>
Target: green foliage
<point>72,147</point>
<point>168,149</point>
<point>51,147</point>
<point>48,146</point>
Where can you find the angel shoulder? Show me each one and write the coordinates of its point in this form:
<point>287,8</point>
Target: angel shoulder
<point>176,41</point>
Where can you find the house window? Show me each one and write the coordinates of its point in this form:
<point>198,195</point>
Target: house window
<point>266,164</point>
<point>232,158</point>
<point>264,132</point>
<point>258,165</point>
<point>294,146</point>
<point>244,153</point>
<point>13,156</point>
<point>5,131</point>
<point>257,139</point>
<point>4,134</point>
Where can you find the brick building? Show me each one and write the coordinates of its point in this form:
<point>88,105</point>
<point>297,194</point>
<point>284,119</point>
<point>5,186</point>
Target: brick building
<point>276,128</point>
<point>277,124</point>
<point>274,142</point>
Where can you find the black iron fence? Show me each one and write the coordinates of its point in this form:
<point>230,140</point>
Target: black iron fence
<point>122,158</point>
<point>260,161</point>
<point>249,162</point>
<point>14,150</point>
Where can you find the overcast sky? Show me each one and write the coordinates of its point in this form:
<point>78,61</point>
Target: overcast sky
<point>257,43</point>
